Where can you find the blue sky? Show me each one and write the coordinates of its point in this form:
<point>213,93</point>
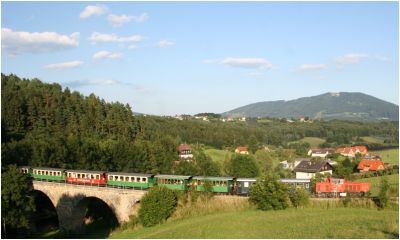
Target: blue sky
<point>189,57</point>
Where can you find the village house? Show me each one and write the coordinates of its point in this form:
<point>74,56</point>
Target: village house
<point>242,150</point>
<point>367,165</point>
<point>292,164</point>
<point>185,152</point>
<point>321,152</point>
<point>307,169</point>
<point>352,151</point>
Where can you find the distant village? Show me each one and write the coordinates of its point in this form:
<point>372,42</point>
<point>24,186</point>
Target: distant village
<point>218,117</point>
<point>317,162</point>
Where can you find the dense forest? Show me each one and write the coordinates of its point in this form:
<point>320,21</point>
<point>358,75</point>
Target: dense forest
<point>46,125</point>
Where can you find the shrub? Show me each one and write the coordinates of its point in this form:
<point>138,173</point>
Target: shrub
<point>156,206</point>
<point>269,194</point>
<point>384,193</point>
<point>299,198</point>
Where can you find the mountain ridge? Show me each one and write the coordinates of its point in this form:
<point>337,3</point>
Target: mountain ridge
<point>332,105</point>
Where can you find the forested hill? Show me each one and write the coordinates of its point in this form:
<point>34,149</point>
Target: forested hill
<point>344,105</point>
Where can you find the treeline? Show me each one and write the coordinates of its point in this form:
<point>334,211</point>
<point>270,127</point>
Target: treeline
<point>45,125</point>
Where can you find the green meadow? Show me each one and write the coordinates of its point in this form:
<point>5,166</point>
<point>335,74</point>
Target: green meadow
<point>376,182</point>
<point>290,223</point>
<point>388,155</point>
<point>313,141</point>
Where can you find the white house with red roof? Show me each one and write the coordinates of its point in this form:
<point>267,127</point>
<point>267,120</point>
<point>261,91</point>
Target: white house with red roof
<point>242,150</point>
<point>185,152</point>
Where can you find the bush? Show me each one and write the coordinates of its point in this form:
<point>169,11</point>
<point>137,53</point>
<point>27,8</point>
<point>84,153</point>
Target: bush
<point>156,206</point>
<point>384,193</point>
<point>269,194</point>
<point>299,198</point>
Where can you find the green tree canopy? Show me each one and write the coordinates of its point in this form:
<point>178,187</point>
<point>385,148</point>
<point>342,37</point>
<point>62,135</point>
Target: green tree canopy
<point>16,201</point>
<point>269,194</point>
<point>243,165</point>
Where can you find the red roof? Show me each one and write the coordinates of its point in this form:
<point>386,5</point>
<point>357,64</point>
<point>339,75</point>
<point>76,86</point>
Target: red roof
<point>242,149</point>
<point>184,147</point>
<point>355,149</point>
<point>370,165</point>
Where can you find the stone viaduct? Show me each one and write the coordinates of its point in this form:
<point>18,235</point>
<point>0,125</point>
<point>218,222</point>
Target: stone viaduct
<point>71,201</point>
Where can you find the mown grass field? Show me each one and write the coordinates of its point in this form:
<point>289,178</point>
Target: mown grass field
<point>372,140</point>
<point>313,141</point>
<point>289,223</point>
<point>376,182</point>
<point>217,155</point>
<point>388,156</point>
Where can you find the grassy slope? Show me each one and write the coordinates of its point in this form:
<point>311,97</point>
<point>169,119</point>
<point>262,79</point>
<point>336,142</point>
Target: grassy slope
<point>313,141</point>
<point>376,181</point>
<point>216,154</point>
<point>290,223</point>
<point>389,155</point>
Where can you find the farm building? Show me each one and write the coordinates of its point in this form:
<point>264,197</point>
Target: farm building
<point>307,169</point>
<point>352,151</point>
<point>242,150</point>
<point>185,152</point>
<point>322,152</point>
<point>367,165</point>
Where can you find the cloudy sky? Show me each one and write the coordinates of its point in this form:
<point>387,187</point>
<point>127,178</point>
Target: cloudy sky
<point>174,58</point>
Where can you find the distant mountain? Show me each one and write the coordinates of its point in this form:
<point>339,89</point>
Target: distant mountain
<point>343,105</point>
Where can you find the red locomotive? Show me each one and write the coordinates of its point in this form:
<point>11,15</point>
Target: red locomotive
<point>338,187</point>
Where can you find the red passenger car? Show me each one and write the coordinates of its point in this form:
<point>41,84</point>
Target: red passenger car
<point>338,187</point>
<point>86,177</point>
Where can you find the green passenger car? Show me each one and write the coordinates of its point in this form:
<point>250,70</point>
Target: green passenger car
<point>130,180</point>
<point>218,184</point>
<point>26,170</point>
<point>175,182</point>
<point>50,174</point>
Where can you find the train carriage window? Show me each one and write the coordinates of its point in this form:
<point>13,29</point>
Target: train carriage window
<point>79,175</point>
<point>132,179</point>
<point>144,180</point>
<point>127,179</point>
<point>110,178</point>
<point>69,175</point>
<point>97,176</point>
<point>47,172</point>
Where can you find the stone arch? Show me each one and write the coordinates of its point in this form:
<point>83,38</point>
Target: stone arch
<point>46,213</point>
<point>95,207</point>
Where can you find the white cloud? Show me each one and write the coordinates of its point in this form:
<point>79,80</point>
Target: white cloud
<point>64,65</point>
<point>308,67</point>
<point>106,54</point>
<point>119,20</point>
<point>97,82</point>
<point>92,10</point>
<point>165,43</point>
<point>107,38</point>
<point>16,43</point>
<point>247,62</point>
<point>143,17</point>
<point>351,58</point>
